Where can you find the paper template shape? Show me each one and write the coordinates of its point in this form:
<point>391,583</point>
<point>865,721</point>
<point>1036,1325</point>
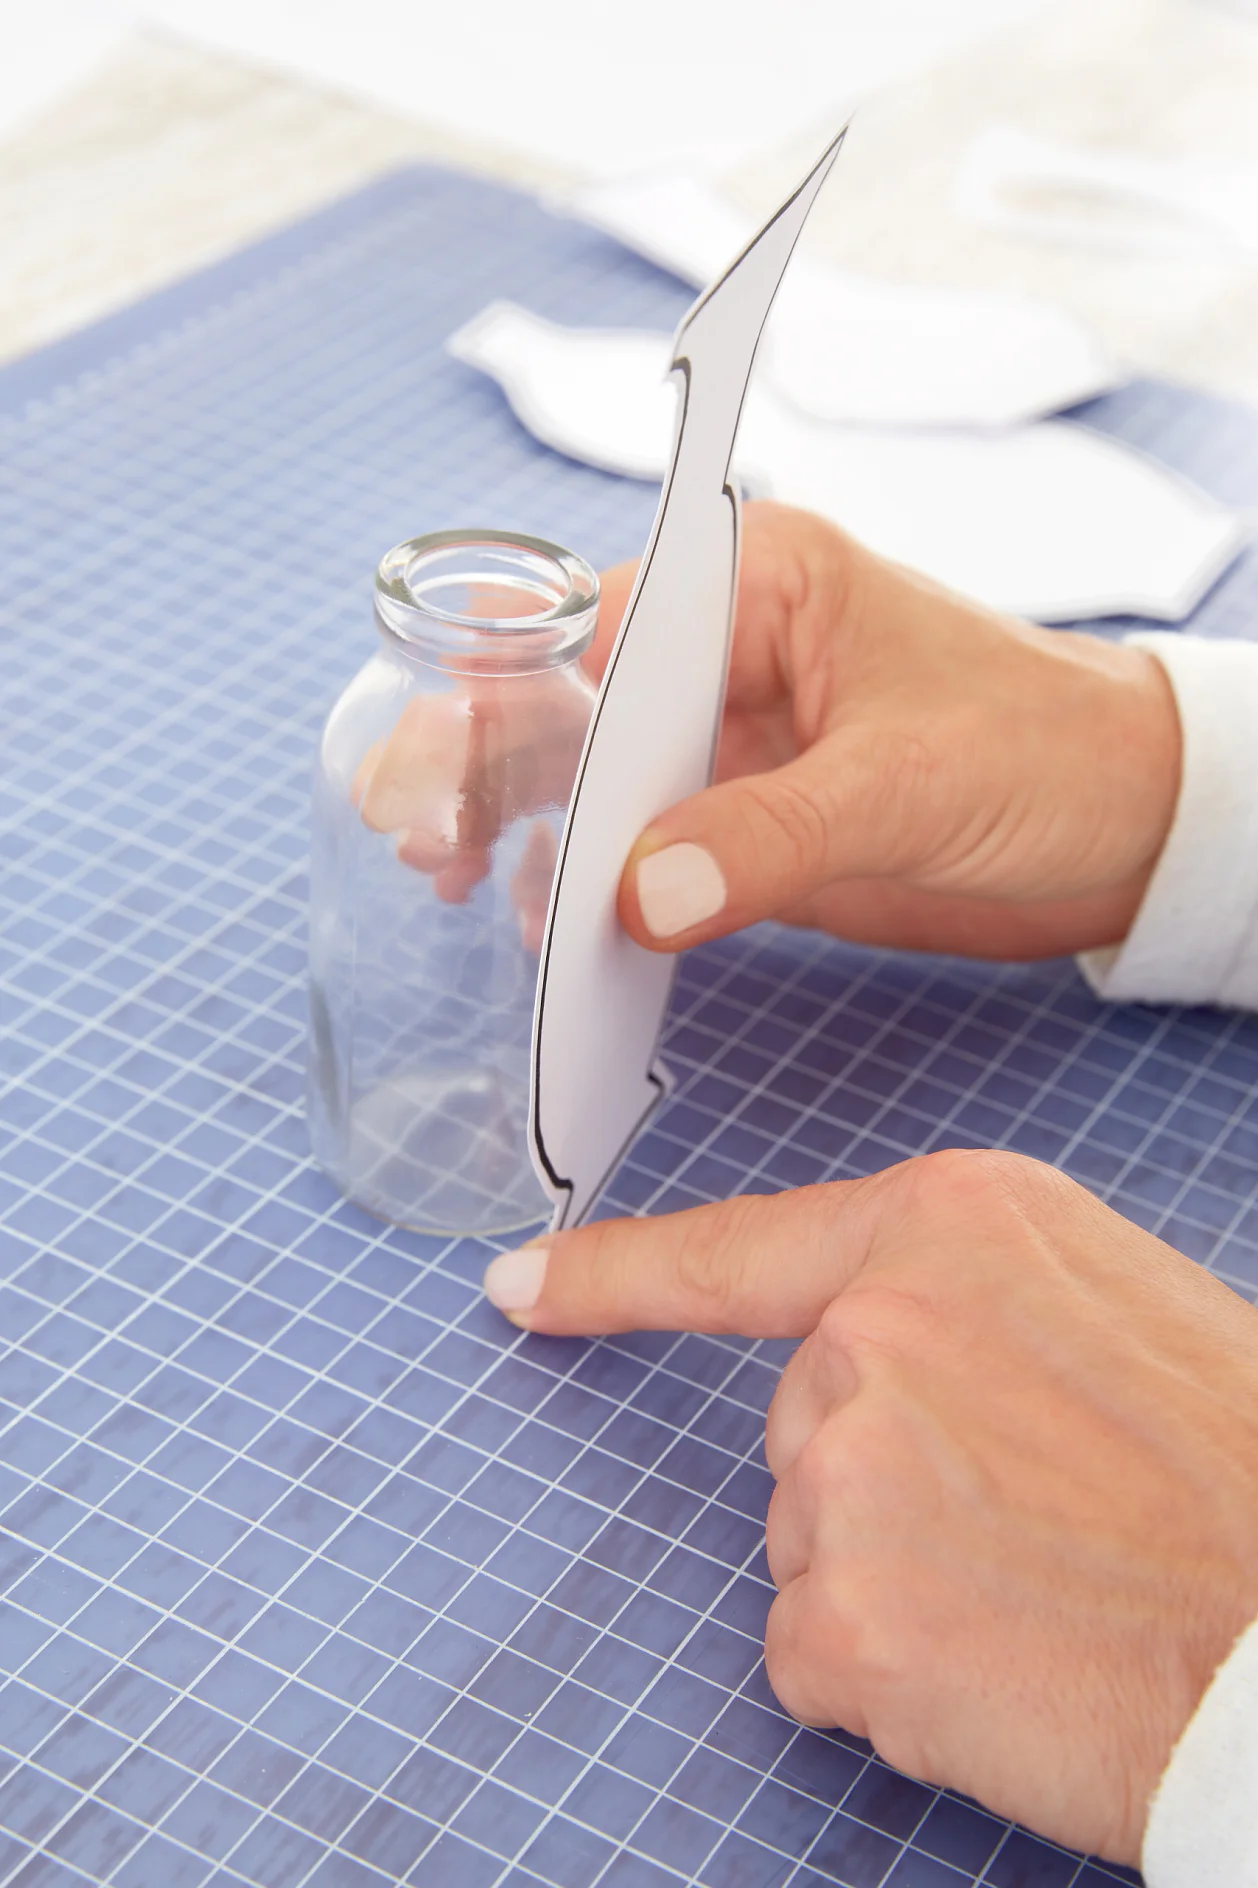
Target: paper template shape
<point>845,347</point>
<point>1112,200</point>
<point>600,395</point>
<point>601,998</point>
<point>1048,521</point>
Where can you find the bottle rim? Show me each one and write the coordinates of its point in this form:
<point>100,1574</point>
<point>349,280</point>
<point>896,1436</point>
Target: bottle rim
<point>480,601</point>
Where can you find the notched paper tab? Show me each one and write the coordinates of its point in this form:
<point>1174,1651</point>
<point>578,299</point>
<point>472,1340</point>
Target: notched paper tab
<point>601,998</point>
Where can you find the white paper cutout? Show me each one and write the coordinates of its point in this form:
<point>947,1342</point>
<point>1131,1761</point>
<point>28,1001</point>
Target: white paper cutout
<point>1047,521</point>
<point>846,347</point>
<point>1111,200</point>
<point>601,395</point>
<point>601,998</point>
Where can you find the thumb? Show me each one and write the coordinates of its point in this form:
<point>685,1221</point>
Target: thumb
<point>753,847</point>
<point>760,1266</point>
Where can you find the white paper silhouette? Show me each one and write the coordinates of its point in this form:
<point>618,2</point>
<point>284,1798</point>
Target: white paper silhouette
<point>601,998</point>
<point>846,347</point>
<point>1048,521</point>
<point>600,395</point>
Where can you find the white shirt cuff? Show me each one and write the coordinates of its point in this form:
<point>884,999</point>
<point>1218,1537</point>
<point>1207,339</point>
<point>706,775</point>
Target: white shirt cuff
<point>1195,936</point>
<point>1203,1824</point>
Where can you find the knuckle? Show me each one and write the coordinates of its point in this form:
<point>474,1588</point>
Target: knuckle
<point>907,761</point>
<point>912,768</point>
<point>820,1473</point>
<point>969,1213</point>
<point>880,1320</point>
<point>790,1653</point>
<point>713,1256</point>
<point>899,1742</point>
<point>791,818</point>
<point>778,1538</point>
<point>777,1430</point>
<point>810,1655</point>
<point>833,1337</point>
<point>981,1180</point>
<point>606,1256</point>
<point>781,1646</point>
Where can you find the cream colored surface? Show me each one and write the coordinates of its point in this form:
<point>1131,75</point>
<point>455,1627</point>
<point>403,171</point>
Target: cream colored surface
<point>170,157</point>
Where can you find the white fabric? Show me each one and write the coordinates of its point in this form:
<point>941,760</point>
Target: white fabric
<point>1203,1825</point>
<point>1195,940</point>
<point>1195,937</point>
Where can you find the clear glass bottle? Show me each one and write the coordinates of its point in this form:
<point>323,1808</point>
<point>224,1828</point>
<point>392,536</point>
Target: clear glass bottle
<point>442,782</point>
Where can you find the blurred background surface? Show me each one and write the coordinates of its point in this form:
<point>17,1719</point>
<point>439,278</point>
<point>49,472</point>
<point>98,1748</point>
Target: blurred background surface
<point>137,142</point>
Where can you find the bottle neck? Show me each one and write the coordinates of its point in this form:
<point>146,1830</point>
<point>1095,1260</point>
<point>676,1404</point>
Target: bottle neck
<point>486,603</point>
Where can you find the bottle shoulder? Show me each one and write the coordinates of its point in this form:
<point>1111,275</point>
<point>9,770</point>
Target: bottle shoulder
<point>363,715</point>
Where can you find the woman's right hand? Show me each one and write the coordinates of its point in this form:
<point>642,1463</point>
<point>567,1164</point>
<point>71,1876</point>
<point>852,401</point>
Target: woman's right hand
<point>901,766</point>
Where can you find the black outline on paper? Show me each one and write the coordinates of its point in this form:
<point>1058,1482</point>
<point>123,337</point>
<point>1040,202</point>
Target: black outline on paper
<point>654,1073</point>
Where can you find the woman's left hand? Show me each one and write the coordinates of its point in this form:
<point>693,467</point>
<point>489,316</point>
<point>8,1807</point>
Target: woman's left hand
<point>1015,1528</point>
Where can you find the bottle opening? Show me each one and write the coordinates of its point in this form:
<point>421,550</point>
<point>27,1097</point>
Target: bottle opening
<point>478,601</point>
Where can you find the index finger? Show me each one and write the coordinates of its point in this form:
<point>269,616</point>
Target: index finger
<point>764,1265</point>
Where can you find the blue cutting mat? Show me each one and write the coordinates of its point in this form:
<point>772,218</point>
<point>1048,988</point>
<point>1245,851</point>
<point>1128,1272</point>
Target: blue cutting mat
<point>315,1572</point>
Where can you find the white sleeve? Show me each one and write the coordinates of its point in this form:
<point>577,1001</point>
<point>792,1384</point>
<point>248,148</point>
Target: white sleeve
<point>1203,1824</point>
<point>1195,936</point>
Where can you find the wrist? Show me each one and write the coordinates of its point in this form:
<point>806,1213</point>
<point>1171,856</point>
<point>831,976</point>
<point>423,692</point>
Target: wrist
<point>1157,751</point>
<point>1137,765</point>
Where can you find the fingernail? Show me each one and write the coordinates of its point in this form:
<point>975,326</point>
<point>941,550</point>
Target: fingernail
<point>678,887</point>
<point>513,1281</point>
